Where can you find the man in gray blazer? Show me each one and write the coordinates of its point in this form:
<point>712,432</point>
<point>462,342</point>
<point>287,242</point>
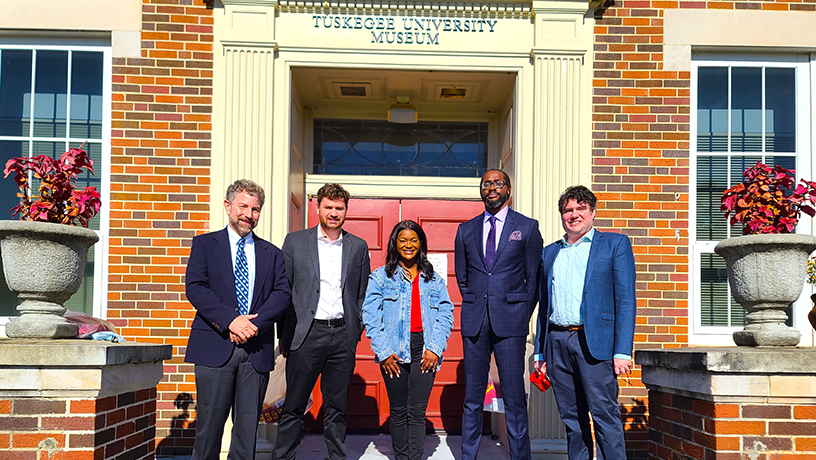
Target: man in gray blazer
<point>328,271</point>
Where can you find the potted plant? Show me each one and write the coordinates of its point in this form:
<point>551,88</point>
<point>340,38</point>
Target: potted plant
<point>44,254</point>
<point>767,266</point>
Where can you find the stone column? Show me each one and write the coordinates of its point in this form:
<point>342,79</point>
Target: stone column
<point>243,112</point>
<point>562,155</point>
<point>562,125</point>
<point>730,403</point>
<point>79,399</point>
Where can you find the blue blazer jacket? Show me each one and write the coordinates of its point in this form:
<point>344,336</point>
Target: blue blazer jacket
<point>510,287</point>
<point>608,304</point>
<point>211,289</point>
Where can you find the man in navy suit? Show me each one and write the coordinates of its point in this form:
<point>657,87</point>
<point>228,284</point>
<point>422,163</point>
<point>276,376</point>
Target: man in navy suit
<point>237,284</point>
<point>587,326</point>
<point>497,260</point>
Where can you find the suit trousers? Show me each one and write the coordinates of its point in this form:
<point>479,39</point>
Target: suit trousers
<point>509,353</point>
<point>238,386</point>
<point>583,385</point>
<point>408,399</point>
<point>325,351</point>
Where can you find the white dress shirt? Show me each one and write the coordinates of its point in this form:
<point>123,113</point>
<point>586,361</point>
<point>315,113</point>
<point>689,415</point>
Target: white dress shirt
<point>500,216</point>
<point>249,249</point>
<point>330,256</point>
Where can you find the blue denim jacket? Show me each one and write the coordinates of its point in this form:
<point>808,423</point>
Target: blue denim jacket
<point>387,314</point>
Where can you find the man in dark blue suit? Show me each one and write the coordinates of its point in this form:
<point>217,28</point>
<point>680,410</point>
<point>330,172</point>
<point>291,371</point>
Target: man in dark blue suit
<point>497,259</point>
<point>238,286</point>
<point>586,326</point>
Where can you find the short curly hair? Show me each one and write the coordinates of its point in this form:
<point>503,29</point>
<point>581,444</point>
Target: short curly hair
<point>333,192</point>
<point>580,194</point>
<point>245,185</point>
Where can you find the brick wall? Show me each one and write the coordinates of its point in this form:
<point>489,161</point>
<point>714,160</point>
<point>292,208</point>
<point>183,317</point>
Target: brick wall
<point>682,427</point>
<point>641,169</point>
<point>160,176</point>
<point>79,429</point>
<point>640,173</point>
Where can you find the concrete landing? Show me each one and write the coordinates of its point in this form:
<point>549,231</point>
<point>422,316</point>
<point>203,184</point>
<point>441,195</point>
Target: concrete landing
<point>378,447</point>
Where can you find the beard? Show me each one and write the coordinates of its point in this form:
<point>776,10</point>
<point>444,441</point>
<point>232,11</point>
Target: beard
<point>493,206</point>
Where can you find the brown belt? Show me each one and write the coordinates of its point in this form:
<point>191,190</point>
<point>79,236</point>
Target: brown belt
<point>555,327</point>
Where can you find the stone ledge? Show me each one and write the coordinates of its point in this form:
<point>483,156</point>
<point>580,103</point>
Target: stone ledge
<point>79,353</point>
<point>730,360</point>
<point>735,374</point>
<point>78,369</point>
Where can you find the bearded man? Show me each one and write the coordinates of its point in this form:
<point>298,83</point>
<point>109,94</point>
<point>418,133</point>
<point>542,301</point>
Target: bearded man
<point>497,260</point>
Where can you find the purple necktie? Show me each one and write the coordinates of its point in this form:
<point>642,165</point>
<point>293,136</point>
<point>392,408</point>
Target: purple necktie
<point>490,246</point>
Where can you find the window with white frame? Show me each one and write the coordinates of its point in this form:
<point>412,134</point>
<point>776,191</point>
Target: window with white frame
<point>743,111</point>
<point>53,98</point>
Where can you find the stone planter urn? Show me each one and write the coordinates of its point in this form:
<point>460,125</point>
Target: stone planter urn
<point>766,273</point>
<point>44,264</point>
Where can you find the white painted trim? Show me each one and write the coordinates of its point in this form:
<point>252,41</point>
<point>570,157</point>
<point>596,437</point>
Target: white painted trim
<point>101,250</point>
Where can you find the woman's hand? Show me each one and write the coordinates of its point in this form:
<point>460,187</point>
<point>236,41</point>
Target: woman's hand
<point>391,366</point>
<point>429,361</point>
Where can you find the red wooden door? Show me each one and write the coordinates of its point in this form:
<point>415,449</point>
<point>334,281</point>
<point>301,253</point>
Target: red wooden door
<point>373,220</point>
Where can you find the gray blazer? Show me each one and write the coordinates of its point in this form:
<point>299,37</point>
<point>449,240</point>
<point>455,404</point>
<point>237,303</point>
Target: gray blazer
<point>303,271</point>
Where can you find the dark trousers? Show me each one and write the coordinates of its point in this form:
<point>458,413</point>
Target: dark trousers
<point>325,351</point>
<point>509,353</point>
<point>238,386</point>
<point>583,385</point>
<point>408,398</point>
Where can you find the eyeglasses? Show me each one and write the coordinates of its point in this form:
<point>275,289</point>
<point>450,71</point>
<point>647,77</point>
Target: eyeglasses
<point>498,183</point>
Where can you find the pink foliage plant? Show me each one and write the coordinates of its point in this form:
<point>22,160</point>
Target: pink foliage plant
<point>59,199</point>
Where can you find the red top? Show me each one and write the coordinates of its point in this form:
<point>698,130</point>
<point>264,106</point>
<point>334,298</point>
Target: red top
<point>416,307</point>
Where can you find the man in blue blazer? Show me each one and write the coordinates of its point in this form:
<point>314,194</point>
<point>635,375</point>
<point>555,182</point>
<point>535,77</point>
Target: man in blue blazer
<point>237,284</point>
<point>497,260</point>
<point>586,326</point>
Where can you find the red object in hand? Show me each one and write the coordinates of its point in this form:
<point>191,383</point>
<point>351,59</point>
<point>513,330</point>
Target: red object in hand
<point>540,380</point>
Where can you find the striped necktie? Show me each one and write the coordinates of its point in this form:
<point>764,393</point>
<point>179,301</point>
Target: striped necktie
<point>242,278</point>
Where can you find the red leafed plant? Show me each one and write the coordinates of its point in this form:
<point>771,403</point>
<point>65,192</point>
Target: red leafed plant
<point>767,201</point>
<point>60,200</point>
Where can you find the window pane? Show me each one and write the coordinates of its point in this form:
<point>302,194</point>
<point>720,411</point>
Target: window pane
<point>86,95</point>
<point>712,109</point>
<point>15,92</point>
<point>780,110</point>
<point>746,109</point>
<point>714,297</point>
<point>51,94</point>
<point>712,181</point>
<point>8,188</point>
<point>94,150</point>
<point>448,149</point>
<point>83,299</point>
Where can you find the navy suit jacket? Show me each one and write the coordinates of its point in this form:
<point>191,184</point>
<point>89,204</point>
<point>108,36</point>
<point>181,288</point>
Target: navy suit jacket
<point>211,290</point>
<point>608,303</point>
<point>510,286</point>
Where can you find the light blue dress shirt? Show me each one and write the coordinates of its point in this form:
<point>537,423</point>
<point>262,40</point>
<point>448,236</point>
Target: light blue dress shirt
<point>249,249</point>
<point>569,274</point>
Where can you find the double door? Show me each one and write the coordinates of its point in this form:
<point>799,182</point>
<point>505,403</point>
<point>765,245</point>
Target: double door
<point>373,220</point>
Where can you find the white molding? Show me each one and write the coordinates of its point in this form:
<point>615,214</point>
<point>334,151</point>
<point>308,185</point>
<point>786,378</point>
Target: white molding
<point>455,188</point>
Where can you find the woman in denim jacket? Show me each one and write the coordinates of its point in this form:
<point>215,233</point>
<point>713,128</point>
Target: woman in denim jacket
<point>408,316</point>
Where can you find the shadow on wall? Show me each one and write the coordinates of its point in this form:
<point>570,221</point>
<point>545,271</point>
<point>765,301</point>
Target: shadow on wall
<point>182,430</point>
<point>634,416</point>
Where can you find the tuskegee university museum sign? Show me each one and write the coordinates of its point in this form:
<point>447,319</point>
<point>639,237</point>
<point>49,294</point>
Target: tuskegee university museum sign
<point>405,30</point>
<point>355,31</point>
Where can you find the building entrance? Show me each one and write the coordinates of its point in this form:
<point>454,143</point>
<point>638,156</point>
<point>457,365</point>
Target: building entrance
<point>373,220</point>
